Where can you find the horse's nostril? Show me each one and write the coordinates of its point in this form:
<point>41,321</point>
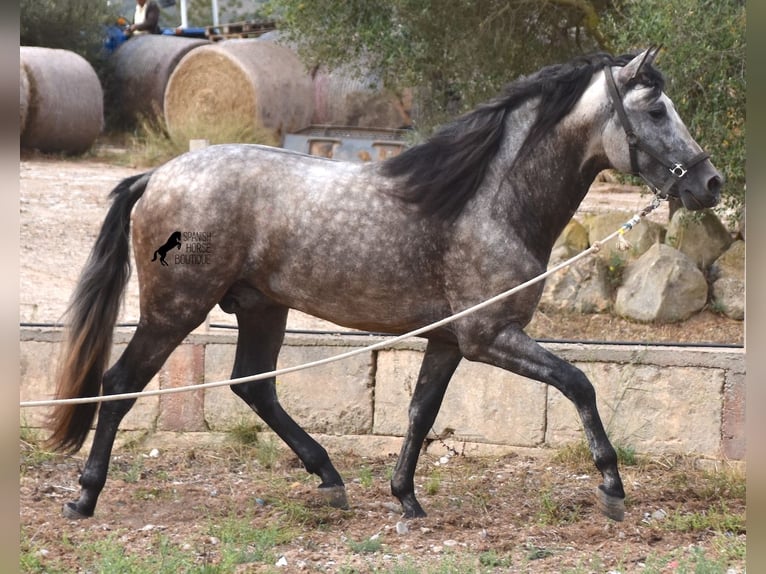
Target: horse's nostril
<point>714,184</point>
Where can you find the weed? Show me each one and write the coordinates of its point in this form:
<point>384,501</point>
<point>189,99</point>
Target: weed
<point>615,270</point>
<point>241,543</point>
<point>131,472</point>
<point>552,512</point>
<point>367,546</point>
<point>32,451</point>
<point>726,483</point>
<point>537,553</point>
<point>151,144</point>
<point>718,519</point>
<point>246,433</point>
<point>365,476</point>
<point>492,559</point>
<point>267,452</point>
<point>433,482</point>
<point>575,454</point>
<point>626,455</point>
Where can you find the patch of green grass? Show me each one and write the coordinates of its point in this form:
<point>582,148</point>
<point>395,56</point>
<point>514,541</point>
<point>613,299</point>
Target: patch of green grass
<point>716,518</point>
<point>433,482</point>
<point>109,556</point>
<point>492,559</point>
<point>689,560</point>
<point>366,546</point>
<point>32,558</point>
<point>553,512</point>
<point>578,455</point>
<point>537,552</point>
<point>33,453</point>
<point>246,433</point>
<point>365,476</point>
<point>241,543</point>
<point>130,471</point>
<point>626,455</point>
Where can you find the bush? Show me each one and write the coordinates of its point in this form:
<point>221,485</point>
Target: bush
<point>76,25</point>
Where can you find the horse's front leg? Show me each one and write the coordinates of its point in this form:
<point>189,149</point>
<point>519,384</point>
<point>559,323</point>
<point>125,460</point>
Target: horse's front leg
<point>439,363</point>
<point>513,350</point>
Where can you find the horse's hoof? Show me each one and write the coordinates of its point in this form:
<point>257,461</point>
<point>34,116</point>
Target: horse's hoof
<point>70,511</point>
<point>610,506</point>
<point>335,496</point>
<point>415,513</point>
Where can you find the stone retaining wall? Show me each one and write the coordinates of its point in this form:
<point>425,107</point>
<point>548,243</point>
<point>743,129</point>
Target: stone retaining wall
<point>658,400</point>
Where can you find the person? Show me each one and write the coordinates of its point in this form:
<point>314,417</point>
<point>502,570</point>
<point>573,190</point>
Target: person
<point>146,19</point>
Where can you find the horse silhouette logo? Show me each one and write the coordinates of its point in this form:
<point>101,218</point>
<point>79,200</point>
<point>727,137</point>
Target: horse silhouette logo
<point>173,241</point>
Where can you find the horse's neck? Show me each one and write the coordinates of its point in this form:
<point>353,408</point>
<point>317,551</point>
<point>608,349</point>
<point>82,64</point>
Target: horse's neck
<point>543,188</point>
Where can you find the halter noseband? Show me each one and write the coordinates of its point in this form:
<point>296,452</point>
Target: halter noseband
<point>635,143</point>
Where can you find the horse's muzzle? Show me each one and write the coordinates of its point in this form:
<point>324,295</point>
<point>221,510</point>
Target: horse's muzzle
<point>701,188</point>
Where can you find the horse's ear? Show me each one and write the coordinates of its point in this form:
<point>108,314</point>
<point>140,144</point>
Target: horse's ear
<point>628,73</point>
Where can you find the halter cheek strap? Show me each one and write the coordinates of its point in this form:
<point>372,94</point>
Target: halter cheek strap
<point>635,143</point>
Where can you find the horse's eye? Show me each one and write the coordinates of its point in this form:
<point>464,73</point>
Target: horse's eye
<point>658,112</point>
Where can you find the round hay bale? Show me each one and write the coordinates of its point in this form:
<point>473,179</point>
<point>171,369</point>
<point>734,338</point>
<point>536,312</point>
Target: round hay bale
<point>142,68</point>
<point>243,82</point>
<point>24,97</point>
<point>65,106</point>
<point>349,98</point>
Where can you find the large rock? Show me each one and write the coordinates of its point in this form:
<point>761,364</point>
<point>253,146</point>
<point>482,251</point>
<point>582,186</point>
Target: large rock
<point>698,234</point>
<point>639,239</point>
<point>582,287</point>
<point>728,276</point>
<point>662,285</point>
<point>572,241</point>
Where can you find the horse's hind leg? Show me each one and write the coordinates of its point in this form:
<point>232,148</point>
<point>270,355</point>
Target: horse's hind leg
<point>261,333</point>
<point>143,357</point>
<point>439,363</point>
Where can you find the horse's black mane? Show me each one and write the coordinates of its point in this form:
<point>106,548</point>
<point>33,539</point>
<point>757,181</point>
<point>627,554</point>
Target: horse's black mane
<point>443,173</point>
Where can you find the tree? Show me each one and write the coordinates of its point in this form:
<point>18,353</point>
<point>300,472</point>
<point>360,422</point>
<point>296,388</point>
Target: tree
<point>456,53</point>
<point>460,53</point>
<point>76,25</point>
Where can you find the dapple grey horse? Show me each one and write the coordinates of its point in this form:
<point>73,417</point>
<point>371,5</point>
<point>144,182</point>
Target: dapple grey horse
<point>385,247</point>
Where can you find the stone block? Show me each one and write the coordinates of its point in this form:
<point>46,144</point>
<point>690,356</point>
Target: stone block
<point>38,363</point>
<point>733,435</point>
<point>482,403</point>
<point>335,398</point>
<point>652,409</point>
<point>37,366</point>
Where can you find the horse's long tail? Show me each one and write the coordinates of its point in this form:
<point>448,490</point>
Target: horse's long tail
<point>90,319</point>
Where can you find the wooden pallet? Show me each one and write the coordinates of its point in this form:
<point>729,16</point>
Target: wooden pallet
<point>247,29</point>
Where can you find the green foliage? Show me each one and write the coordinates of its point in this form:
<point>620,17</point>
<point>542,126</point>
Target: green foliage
<point>76,25</point>
<point>704,63</point>
<point>455,57</point>
<point>461,56</point>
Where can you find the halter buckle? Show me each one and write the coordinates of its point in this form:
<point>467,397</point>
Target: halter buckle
<point>678,170</point>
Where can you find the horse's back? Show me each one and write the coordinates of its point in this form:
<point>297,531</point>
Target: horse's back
<point>307,232</point>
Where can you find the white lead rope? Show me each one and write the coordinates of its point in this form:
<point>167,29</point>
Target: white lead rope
<point>627,226</point>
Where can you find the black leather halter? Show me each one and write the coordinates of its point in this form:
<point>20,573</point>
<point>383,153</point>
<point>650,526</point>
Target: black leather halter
<point>635,143</point>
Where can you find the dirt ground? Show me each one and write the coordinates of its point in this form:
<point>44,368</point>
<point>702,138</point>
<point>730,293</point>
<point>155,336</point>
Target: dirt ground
<point>517,513</point>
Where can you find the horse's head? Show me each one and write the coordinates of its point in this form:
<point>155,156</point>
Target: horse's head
<point>646,136</point>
